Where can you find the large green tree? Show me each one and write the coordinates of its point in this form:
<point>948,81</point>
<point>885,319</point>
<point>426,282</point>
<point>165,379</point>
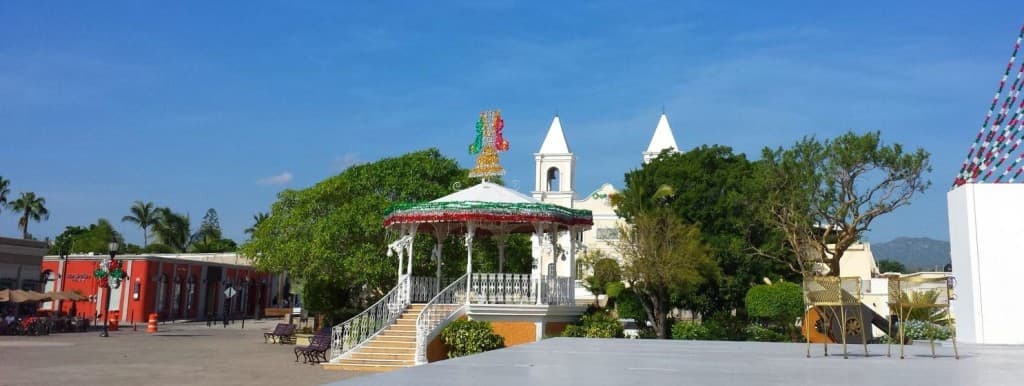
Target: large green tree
<point>662,255</point>
<point>711,187</point>
<point>31,207</point>
<point>598,270</point>
<point>209,237</point>
<point>173,231</point>
<point>144,215</point>
<point>823,196</point>
<point>331,233</point>
<point>95,238</point>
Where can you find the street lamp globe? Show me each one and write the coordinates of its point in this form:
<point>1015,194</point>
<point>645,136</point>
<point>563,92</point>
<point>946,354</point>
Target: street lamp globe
<point>112,247</point>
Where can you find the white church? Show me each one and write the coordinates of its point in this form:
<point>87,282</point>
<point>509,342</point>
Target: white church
<point>555,183</point>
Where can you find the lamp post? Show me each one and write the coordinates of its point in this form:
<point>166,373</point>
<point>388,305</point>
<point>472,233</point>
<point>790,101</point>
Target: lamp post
<point>109,274</point>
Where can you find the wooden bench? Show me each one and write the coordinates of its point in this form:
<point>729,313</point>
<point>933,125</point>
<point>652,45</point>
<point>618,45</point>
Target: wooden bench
<point>283,333</point>
<point>316,351</point>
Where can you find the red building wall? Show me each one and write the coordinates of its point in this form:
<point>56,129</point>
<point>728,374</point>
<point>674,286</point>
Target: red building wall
<point>140,290</point>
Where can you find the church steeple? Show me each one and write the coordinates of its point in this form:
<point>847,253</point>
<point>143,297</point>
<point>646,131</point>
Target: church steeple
<point>556,165</point>
<point>662,139</point>
<point>554,142</point>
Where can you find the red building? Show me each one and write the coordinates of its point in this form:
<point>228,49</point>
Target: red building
<point>177,286</point>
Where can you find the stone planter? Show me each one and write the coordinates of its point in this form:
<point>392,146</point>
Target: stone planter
<point>302,339</point>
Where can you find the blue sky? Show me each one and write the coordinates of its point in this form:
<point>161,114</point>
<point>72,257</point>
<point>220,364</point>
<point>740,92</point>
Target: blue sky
<point>200,105</point>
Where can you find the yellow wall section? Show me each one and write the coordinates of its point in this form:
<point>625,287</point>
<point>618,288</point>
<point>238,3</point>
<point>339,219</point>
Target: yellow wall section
<point>515,332</point>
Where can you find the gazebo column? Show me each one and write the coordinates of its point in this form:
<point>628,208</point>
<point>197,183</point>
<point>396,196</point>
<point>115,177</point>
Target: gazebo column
<point>440,234</point>
<point>470,230</point>
<point>555,246</point>
<point>538,258</point>
<point>397,246</point>
<point>574,233</point>
<point>408,269</point>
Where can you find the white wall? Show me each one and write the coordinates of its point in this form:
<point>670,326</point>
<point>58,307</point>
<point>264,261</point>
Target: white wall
<point>985,239</point>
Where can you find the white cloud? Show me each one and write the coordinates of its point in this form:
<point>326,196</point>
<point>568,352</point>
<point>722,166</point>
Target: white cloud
<point>279,179</point>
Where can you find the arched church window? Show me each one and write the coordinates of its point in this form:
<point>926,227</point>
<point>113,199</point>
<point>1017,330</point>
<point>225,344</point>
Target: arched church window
<point>552,179</point>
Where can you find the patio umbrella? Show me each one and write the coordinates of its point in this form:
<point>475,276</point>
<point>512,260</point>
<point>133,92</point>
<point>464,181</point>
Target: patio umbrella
<point>19,296</point>
<point>65,295</point>
<point>5,295</point>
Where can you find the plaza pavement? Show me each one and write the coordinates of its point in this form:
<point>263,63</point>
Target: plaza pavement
<point>578,361</point>
<point>180,354</point>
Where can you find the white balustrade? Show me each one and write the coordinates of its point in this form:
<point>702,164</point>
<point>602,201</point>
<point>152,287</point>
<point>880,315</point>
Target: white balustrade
<point>484,288</point>
<point>502,288</point>
<point>517,288</point>
<point>558,290</point>
<point>423,288</point>
<point>437,313</point>
<point>353,333</point>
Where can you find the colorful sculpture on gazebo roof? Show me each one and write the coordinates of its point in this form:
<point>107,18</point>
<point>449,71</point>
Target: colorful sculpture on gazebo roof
<point>489,141</point>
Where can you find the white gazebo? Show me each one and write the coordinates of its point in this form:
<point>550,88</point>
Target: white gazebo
<point>521,306</point>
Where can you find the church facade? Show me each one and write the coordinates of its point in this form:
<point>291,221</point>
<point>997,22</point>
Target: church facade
<point>554,182</point>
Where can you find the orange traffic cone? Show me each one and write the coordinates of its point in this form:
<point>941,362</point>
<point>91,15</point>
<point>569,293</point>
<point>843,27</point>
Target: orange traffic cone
<point>151,328</point>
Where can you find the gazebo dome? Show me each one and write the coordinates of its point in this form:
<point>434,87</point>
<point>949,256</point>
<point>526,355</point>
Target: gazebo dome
<point>488,204</point>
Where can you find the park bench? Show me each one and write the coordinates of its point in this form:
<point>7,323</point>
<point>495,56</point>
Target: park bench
<point>316,351</point>
<point>283,333</point>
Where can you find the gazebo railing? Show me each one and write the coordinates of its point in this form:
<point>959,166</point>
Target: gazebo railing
<point>422,288</point>
<point>353,333</point>
<point>558,290</point>
<point>502,288</point>
<point>520,288</point>
<point>437,313</point>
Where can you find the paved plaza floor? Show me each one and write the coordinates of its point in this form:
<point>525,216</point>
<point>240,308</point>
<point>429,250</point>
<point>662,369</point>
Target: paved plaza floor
<point>577,361</point>
<point>180,354</point>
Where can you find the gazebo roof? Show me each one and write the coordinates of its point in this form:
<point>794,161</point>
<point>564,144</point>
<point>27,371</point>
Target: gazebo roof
<point>489,205</point>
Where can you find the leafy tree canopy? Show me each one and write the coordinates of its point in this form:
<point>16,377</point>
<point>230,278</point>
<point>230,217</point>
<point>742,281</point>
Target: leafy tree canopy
<point>712,187</point>
<point>94,238</point>
<point>661,254</point>
<point>331,233</point>
<point>820,193</point>
<point>209,239</point>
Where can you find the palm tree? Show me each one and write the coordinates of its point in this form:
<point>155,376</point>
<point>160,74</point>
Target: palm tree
<point>145,216</point>
<point>257,219</point>
<point>172,229</point>
<point>31,208</point>
<point>5,189</point>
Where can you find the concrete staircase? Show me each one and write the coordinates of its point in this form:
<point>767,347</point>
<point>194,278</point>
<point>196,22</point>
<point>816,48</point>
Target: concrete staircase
<point>394,348</point>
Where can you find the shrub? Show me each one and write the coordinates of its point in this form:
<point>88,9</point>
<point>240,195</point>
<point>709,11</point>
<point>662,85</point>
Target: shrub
<point>574,331</point>
<point>780,302</point>
<point>725,326</point>
<point>922,330</point>
<point>614,289</point>
<point>760,333</point>
<point>690,331</point>
<point>628,306</point>
<point>465,337</point>
<point>599,324</point>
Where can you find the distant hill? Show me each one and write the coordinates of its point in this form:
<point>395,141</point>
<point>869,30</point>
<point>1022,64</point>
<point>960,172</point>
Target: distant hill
<point>916,253</point>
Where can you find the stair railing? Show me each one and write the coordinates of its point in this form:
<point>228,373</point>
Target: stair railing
<point>353,333</point>
<point>437,313</point>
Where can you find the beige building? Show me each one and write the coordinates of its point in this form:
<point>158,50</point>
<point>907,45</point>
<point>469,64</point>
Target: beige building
<point>20,262</point>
